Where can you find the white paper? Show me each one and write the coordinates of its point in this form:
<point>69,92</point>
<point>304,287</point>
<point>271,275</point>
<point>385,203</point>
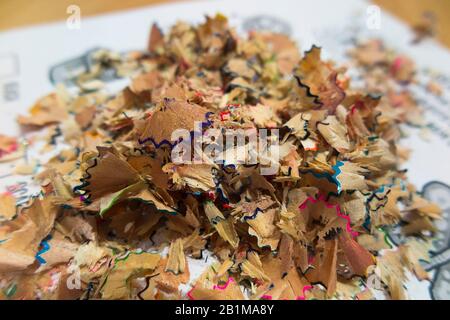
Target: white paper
<point>27,56</point>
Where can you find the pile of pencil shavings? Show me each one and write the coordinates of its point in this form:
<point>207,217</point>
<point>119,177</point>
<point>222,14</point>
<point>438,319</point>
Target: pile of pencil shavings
<point>118,218</point>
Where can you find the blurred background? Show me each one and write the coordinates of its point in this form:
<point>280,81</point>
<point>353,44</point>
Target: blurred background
<point>20,13</point>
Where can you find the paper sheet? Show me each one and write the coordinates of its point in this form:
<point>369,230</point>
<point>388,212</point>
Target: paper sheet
<point>33,59</point>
